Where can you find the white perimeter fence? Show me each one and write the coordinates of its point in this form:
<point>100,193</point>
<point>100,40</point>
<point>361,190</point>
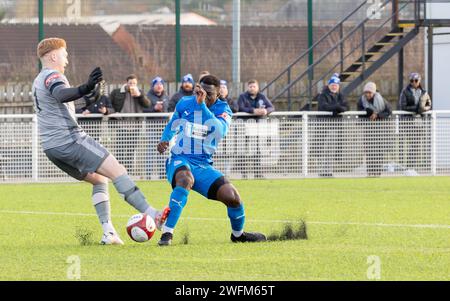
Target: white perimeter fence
<point>286,145</point>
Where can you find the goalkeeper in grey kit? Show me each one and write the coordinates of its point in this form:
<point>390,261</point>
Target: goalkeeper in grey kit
<point>71,149</point>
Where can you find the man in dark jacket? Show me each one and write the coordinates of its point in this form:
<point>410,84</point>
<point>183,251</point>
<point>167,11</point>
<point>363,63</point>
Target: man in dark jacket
<point>331,99</point>
<point>159,104</point>
<point>186,89</point>
<point>415,99</point>
<point>224,95</point>
<point>330,135</point>
<point>254,102</point>
<point>128,99</point>
<point>158,97</point>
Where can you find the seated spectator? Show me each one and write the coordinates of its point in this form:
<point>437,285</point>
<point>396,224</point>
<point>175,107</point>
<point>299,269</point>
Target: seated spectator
<point>373,103</point>
<point>254,102</point>
<point>129,98</point>
<point>331,99</point>
<point>186,89</point>
<point>158,97</point>
<point>414,98</point>
<point>224,95</point>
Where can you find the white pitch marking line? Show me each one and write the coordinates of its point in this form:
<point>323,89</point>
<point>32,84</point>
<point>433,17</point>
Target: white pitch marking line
<point>425,226</point>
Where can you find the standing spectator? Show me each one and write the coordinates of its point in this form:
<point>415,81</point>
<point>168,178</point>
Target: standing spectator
<point>373,103</point>
<point>224,95</point>
<point>253,102</point>
<point>158,97</point>
<point>331,99</point>
<point>159,104</point>
<point>415,99</point>
<point>128,99</point>
<point>330,134</point>
<point>376,136</point>
<point>186,89</point>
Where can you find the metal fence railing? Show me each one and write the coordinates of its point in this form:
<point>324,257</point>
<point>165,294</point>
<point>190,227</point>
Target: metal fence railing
<point>286,145</point>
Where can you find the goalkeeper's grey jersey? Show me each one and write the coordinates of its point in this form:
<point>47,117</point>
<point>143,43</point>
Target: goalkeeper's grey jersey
<point>56,121</point>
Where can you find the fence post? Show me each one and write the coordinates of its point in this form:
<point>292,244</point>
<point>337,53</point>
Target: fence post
<point>34,149</point>
<point>305,149</point>
<point>433,142</point>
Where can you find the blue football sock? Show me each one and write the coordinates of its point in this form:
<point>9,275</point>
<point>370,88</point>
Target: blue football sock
<point>237,219</point>
<point>178,200</point>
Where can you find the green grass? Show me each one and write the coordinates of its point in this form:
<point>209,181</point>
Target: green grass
<point>37,246</point>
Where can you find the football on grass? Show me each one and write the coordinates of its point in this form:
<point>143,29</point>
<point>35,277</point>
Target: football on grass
<point>141,227</point>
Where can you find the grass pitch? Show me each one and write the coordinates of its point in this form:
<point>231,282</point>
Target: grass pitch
<point>404,223</point>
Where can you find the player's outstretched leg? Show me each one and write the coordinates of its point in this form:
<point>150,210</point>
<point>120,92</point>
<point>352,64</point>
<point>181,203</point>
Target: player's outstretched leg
<point>184,180</point>
<point>229,195</point>
<point>126,187</point>
<point>100,200</point>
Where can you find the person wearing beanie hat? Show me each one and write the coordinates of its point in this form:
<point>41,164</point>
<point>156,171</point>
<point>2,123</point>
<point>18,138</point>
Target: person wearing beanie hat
<point>224,95</point>
<point>377,108</point>
<point>331,100</point>
<point>158,97</point>
<point>414,98</point>
<point>186,89</point>
<point>373,103</point>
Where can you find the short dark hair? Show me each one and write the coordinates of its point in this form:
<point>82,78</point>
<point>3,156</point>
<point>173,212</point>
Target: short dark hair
<point>252,81</point>
<point>131,76</point>
<point>211,80</point>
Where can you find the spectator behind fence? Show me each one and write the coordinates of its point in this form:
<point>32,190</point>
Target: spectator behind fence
<point>331,99</point>
<point>224,95</point>
<point>158,97</point>
<point>376,136</point>
<point>373,103</point>
<point>254,102</point>
<point>186,89</point>
<point>331,135</point>
<point>159,104</point>
<point>414,98</point>
<point>128,99</point>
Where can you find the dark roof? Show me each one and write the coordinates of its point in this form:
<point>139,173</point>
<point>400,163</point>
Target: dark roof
<point>88,46</point>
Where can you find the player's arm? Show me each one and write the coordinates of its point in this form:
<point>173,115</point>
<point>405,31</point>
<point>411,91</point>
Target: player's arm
<point>221,120</point>
<point>63,93</point>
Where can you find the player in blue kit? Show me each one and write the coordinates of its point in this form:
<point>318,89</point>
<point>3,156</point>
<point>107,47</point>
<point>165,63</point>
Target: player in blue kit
<point>199,123</point>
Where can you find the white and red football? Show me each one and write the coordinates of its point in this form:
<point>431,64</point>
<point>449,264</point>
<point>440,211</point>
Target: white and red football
<point>141,227</point>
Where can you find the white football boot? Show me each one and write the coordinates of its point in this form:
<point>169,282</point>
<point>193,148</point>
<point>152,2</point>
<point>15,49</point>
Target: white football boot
<point>111,238</point>
<point>161,217</point>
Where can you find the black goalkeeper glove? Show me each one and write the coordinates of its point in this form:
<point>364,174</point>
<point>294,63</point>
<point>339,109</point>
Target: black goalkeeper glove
<point>369,112</point>
<point>95,77</point>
